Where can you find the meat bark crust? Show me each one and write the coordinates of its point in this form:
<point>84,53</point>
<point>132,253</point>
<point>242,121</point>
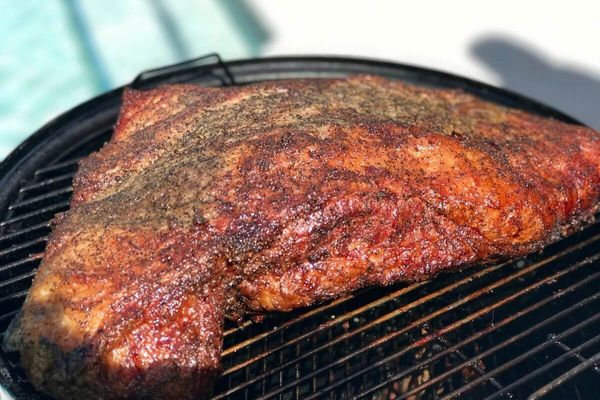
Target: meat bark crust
<point>217,202</point>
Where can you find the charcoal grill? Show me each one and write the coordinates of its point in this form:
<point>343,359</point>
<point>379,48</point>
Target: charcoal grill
<point>526,328</point>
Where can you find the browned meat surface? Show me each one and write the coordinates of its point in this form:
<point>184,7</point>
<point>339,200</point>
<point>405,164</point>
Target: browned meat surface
<point>214,202</point>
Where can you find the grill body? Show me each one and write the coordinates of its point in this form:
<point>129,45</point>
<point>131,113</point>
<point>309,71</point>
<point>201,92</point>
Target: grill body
<point>527,328</point>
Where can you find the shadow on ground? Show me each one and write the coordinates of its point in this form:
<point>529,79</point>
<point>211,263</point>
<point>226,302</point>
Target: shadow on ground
<point>526,71</point>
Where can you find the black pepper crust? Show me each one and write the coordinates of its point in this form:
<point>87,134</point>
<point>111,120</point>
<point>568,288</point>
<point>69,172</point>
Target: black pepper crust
<point>214,203</point>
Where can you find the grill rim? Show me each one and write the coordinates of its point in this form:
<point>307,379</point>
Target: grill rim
<point>28,158</point>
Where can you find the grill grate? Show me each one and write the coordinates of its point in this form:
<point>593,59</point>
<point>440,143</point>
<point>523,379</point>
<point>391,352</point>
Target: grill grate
<point>457,333</point>
<point>527,328</point>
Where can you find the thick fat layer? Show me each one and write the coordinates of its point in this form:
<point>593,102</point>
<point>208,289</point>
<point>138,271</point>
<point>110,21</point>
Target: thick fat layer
<point>275,196</point>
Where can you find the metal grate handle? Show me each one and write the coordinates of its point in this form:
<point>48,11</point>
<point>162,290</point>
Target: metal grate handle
<point>195,64</point>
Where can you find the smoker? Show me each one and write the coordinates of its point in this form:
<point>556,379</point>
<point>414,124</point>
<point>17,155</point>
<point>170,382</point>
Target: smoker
<point>518,329</point>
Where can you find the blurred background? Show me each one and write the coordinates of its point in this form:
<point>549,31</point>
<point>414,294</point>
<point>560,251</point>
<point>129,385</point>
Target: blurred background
<point>54,54</point>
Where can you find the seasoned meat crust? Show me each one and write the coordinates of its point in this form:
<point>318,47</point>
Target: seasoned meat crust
<point>211,203</point>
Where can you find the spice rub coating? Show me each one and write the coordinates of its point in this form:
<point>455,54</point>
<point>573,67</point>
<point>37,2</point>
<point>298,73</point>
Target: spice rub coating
<point>211,203</point>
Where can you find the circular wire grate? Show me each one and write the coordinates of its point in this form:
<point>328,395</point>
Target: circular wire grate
<point>527,328</point>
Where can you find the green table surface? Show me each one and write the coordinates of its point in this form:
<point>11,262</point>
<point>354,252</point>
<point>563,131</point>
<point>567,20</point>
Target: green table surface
<point>55,54</point>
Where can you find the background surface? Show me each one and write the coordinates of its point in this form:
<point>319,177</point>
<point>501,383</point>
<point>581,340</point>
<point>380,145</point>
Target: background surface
<point>55,54</point>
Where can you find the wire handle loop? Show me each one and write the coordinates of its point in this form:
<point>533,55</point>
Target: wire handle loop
<point>195,63</point>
